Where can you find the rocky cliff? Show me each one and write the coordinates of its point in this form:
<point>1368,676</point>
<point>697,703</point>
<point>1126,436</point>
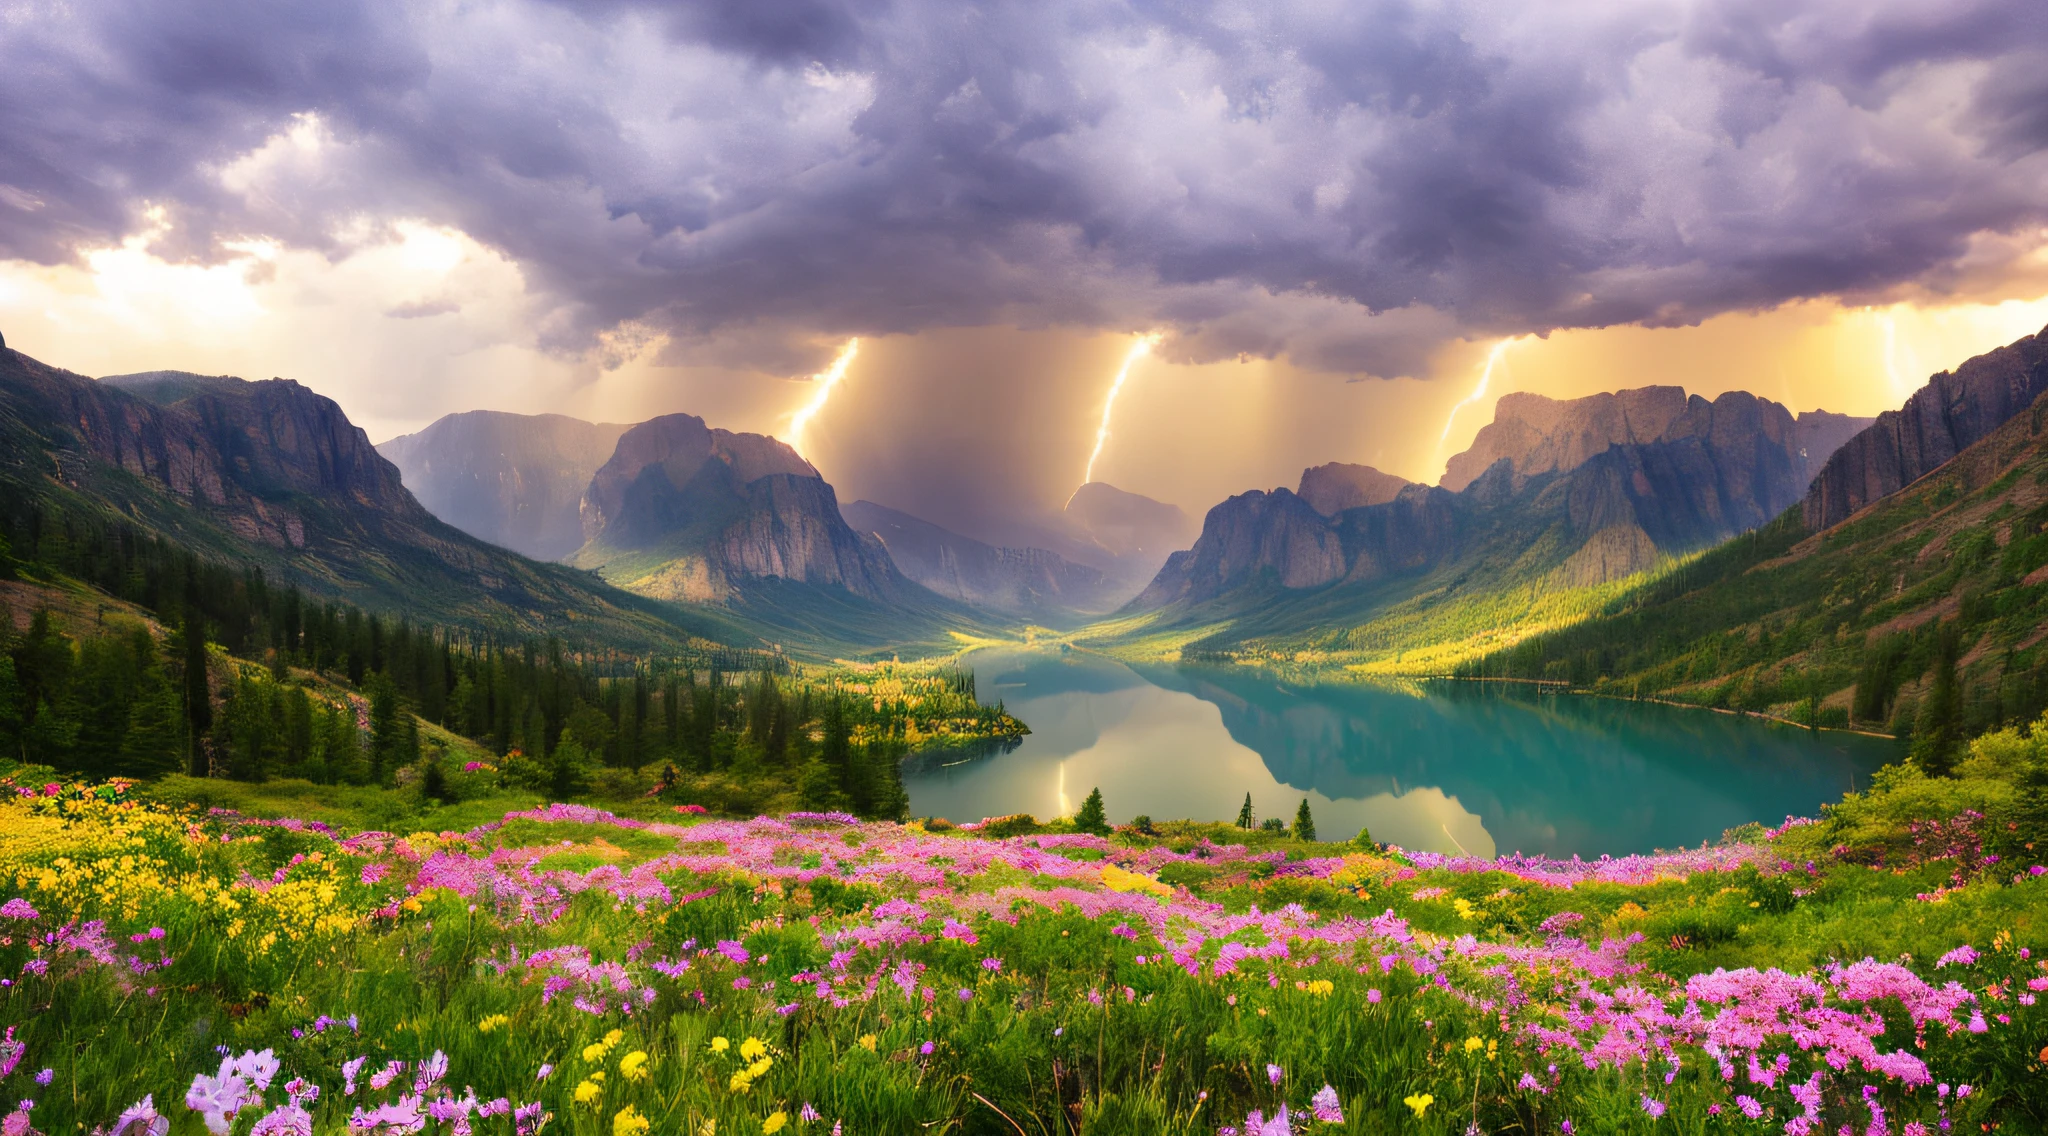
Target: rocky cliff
<point>1547,510</point>
<point>272,475</point>
<point>1940,420</point>
<point>1536,434</point>
<point>516,480</point>
<point>685,512</point>
<point>1032,583</point>
<point>1330,489</point>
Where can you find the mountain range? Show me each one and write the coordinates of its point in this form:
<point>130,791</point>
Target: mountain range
<point>1921,550</point>
<point>1571,494</point>
<point>515,480</point>
<point>272,475</point>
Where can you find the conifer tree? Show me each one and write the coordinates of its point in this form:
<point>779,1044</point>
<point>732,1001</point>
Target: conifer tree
<point>1091,818</point>
<point>1244,815</point>
<point>1304,824</point>
<point>1939,731</point>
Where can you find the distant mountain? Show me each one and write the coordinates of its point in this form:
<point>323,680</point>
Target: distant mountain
<point>685,512</point>
<point>1548,513</point>
<point>515,480</point>
<point>1330,489</point>
<point>271,474</point>
<point>1132,527</point>
<point>1941,420</point>
<point>1030,583</point>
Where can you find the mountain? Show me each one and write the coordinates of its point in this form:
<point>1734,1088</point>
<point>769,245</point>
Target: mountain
<point>271,475</point>
<point>1031,583</point>
<point>1546,518</point>
<point>1853,622</point>
<point>1536,434</point>
<point>515,480</point>
<point>1330,489</point>
<point>1130,526</point>
<point>1942,419</point>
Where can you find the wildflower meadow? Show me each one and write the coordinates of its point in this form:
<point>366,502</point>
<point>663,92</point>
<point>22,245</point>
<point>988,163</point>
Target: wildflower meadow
<point>570,969</point>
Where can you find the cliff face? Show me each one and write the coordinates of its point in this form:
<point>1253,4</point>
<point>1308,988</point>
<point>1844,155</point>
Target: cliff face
<point>1709,470</point>
<point>681,511</point>
<point>1536,434</point>
<point>515,480</point>
<point>1942,419</point>
<point>271,474</point>
<point>1330,489</point>
<point>1029,582</point>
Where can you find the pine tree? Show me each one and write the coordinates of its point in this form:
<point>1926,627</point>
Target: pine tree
<point>1364,839</point>
<point>1244,815</point>
<point>198,693</point>
<point>1939,731</point>
<point>1304,824</point>
<point>154,741</point>
<point>12,713</point>
<point>1091,818</point>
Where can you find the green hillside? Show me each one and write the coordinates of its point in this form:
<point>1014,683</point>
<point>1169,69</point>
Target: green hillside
<point>1924,613</point>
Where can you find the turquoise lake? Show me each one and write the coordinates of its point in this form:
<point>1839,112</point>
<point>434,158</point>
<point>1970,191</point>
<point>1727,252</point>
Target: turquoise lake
<point>1441,766</point>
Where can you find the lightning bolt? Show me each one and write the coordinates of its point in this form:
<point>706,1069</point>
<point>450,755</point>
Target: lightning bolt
<point>1139,350</point>
<point>825,380</point>
<point>1485,380</point>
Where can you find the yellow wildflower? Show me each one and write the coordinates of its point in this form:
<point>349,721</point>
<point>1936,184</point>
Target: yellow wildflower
<point>629,1122</point>
<point>1464,907</point>
<point>774,1123</point>
<point>594,1052</point>
<point>1419,1102</point>
<point>752,1048</point>
<point>759,1068</point>
<point>720,1045</point>
<point>633,1066</point>
<point>740,1082</point>
<point>587,1091</point>
<point>495,1021</point>
<point>1474,1045</point>
<point>867,1042</point>
<point>613,1038</point>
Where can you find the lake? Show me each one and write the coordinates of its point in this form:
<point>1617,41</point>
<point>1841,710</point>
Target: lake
<point>1441,766</point>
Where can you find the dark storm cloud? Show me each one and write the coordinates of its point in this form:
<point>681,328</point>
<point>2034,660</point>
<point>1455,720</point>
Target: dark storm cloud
<point>756,178</point>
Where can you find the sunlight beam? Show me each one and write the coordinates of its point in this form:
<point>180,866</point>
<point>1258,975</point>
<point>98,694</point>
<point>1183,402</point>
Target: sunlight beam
<point>825,380</point>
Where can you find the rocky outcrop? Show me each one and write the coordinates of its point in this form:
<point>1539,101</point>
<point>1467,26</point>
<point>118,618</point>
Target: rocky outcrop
<point>516,480</point>
<point>1954,409</point>
<point>1028,582</point>
<point>1257,537</point>
<point>682,511</point>
<point>1330,489</point>
<point>1536,434</point>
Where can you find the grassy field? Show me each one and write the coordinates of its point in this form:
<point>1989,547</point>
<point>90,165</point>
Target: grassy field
<point>284,958</point>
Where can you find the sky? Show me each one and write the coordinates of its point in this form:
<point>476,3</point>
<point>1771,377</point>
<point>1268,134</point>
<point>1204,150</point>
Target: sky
<point>1324,219</point>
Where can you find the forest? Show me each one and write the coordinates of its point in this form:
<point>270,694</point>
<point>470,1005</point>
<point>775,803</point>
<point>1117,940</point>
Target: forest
<point>207,671</point>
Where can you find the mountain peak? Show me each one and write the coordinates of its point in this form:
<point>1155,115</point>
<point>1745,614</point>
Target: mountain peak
<point>1334,487</point>
<point>515,480</point>
<point>1541,434</point>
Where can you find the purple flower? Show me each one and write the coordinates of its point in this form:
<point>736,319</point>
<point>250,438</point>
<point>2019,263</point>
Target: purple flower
<point>966,995</point>
<point>807,1113</point>
<point>1274,1073</point>
<point>395,1119</point>
<point>1750,1106</point>
<point>218,1098</point>
<point>1373,996</point>
<point>17,908</point>
<point>1324,1105</point>
<point>142,1119</point>
<point>542,1073</point>
<point>259,1068</point>
<point>994,965</point>
<point>925,1049</point>
<point>731,949</point>
<point>430,1072</point>
<point>1256,1124</point>
<point>284,1120</point>
<point>1653,1106</point>
<point>46,1076</point>
<point>349,1071</point>
<point>1961,956</point>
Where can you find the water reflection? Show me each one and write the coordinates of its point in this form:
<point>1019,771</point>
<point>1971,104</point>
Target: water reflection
<point>1444,766</point>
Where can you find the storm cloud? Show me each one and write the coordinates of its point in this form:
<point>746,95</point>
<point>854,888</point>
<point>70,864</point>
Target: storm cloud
<point>1347,184</point>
